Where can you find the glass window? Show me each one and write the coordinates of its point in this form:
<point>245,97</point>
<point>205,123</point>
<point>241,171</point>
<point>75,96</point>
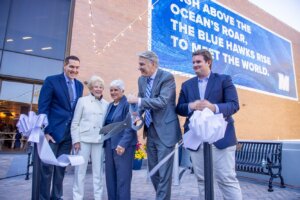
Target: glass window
<point>38,27</point>
<point>15,91</point>
<point>36,94</point>
<point>21,65</point>
<point>4,8</point>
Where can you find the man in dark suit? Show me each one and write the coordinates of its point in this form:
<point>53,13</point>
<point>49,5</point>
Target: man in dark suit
<point>156,98</point>
<point>58,98</point>
<point>216,92</point>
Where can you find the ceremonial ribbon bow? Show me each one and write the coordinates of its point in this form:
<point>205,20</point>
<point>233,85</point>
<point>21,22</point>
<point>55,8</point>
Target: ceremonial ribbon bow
<point>32,126</point>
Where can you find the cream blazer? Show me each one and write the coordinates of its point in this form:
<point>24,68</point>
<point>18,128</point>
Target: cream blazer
<point>88,119</point>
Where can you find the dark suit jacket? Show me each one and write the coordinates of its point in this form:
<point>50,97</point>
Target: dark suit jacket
<point>54,102</point>
<point>162,105</point>
<point>221,91</point>
<point>128,136</point>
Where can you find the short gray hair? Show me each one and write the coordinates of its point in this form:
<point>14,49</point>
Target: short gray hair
<point>118,84</point>
<point>94,79</point>
<point>149,55</point>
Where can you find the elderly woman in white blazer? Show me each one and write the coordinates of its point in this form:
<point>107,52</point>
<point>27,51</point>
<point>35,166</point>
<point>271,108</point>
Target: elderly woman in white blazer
<point>86,124</point>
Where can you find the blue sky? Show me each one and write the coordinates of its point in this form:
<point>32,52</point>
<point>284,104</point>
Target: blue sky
<point>288,11</point>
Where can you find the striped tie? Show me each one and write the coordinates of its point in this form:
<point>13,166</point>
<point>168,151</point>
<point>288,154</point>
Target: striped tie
<point>148,117</point>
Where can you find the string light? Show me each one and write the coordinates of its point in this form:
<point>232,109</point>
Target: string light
<point>120,34</point>
<point>92,26</point>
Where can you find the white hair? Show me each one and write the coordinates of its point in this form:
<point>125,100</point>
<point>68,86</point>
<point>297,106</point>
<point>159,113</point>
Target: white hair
<point>94,79</point>
<point>118,84</point>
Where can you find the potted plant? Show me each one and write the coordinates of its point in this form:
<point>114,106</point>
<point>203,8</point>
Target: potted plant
<point>140,154</point>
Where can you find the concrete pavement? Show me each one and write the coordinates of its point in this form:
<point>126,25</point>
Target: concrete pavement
<point>18,188</point>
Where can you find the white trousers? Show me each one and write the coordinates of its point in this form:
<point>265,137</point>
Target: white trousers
<point>223,169</point>
<point>94,150</point>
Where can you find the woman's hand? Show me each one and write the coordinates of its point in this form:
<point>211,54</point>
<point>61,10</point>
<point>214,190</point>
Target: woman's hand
<point>120,150</point>
<point>136,119</point>
<point>77,147</point>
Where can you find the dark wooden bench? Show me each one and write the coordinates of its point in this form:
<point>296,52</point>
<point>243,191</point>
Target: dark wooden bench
<point>260,158</point>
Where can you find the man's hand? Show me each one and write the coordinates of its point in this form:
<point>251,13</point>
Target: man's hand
<point>120,150</point>
<point>77,147</point>
<point>194,105</point>
<point>201,104</point>
<point>207,104</point>
<point>49,138</point>
<point>132,98</point>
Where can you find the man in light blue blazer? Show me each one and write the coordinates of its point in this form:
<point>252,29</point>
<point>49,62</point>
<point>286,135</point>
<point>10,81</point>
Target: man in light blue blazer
<point>156,98</point>
<point>216,92</point>
<point>58,98</point>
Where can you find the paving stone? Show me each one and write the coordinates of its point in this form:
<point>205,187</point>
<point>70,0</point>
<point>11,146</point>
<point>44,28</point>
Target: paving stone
<point>142,189</point>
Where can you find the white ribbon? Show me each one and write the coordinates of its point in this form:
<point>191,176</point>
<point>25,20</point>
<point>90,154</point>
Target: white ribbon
<point>32,126</point>
<point>205,126</point>
<point>165,159</point>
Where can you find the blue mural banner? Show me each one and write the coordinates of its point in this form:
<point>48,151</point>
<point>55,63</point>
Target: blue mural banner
<point>256,58</point>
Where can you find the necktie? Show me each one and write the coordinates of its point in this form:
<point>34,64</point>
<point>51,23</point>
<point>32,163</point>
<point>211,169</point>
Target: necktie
<point>148,117</point>
<point>71,93</point>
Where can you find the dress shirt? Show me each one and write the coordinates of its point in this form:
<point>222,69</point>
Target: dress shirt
<point>202,84</point>
<point>151,83</point>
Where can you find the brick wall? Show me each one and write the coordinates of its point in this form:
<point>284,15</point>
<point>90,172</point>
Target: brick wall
<point>260,116</point>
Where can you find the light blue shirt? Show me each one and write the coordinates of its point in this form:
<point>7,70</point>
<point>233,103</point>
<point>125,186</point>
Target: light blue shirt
<point>202,84</point>
<point>151,83</point>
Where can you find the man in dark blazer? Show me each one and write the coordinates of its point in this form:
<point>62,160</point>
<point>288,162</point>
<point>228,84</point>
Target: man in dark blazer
<point>58,98</point>
<point>216,92</point>
<point>163,129</point>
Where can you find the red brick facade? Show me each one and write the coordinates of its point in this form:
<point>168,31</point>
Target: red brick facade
<point>260,116</point>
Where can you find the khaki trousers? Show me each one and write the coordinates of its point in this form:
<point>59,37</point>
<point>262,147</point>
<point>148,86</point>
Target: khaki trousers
<point>223,169</point>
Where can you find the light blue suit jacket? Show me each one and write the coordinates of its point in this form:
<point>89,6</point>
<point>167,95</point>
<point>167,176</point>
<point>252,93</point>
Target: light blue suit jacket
<point>221,91</point>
